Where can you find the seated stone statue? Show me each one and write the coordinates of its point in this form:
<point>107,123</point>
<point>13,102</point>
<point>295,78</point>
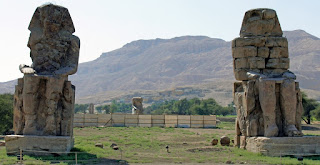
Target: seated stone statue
<point>268,100</point>
<point>44,98</point>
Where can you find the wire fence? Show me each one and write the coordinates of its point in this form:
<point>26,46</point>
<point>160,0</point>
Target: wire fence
<point>76,159</point>
<point>298,150</point>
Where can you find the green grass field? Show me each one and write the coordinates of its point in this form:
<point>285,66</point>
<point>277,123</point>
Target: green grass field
<point>148,145</point>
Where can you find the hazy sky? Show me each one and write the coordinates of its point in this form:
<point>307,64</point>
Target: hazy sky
<point>105,25</point>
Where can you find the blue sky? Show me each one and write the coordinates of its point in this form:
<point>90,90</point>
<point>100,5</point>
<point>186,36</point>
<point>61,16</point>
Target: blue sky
<point>105,25</point>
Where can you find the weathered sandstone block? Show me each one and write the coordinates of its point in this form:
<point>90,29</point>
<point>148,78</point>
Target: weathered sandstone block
<point>279,52</point>
<point>257,63</point>
<point>263,52</point>
<point>276,42</point>
<point>241,63</point>
<point>247,51</point>
<point>249,41</point>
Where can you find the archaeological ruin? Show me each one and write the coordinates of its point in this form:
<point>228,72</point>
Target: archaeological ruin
<point>137,107</point>
<point>268,100</point>
<point>44,98</point>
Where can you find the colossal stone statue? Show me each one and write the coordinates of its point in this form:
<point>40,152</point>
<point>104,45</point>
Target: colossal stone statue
<point>267,98</point>
<point>44,98</point>
<point>137,107</point>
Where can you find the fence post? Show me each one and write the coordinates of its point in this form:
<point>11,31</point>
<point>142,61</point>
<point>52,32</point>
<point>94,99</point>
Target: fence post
<point>202,121</point>
<point>121,153</point>
<point>76,157</point>
<point>20,155</point>
<point>280,158</point>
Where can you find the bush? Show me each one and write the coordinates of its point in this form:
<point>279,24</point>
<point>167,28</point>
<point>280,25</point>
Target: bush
<point>193,106</point>
<point>6,112</point>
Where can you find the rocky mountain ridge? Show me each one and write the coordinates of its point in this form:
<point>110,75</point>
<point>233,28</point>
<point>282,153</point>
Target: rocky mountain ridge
<point>193,61</point>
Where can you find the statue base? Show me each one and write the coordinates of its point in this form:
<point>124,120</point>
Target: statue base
<point>38,145</point>
<point>282,146</point>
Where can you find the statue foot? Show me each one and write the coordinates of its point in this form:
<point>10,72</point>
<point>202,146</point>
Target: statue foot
<point>271,131</point>
<point>292,131</point>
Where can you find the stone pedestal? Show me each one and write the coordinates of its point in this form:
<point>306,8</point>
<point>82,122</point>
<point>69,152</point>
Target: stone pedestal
<point>276,146</point>
<point>38,145</point>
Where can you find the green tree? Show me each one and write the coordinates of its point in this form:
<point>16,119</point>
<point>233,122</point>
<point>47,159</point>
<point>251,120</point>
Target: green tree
<point>308,105</point>
<point>106,108</point>
<point>193,106</point>
<point>80,108</point>
<point>181,107</point>
<point>316,113</point>
<point>113,106</point>
<point>6,112</point>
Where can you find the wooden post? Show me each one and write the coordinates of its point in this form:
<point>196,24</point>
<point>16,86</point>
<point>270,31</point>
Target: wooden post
<point>20,155</point>
<point>202,121</point>
<point>76,157</point>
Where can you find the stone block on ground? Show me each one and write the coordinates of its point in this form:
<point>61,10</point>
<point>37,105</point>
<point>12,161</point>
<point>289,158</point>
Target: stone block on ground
<point>100,145</point>
<point>225,141</point>
<point>214,142</point>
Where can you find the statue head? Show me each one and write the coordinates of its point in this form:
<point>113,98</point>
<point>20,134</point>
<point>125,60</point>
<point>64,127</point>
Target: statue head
<point>53,47</point>
<point>260,22</point>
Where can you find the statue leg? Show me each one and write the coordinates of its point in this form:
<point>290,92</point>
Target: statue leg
<point>288,102</point>
<point>53,95</point>
<point>267,97</point>
<point>30,102</point>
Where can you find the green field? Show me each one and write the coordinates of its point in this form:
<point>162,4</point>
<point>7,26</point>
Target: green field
<point>148,145</point>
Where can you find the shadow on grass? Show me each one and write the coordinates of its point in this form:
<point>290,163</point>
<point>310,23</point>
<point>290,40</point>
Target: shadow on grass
<point>310,127</point>
<point>82,158</point>
<point>304,157</point>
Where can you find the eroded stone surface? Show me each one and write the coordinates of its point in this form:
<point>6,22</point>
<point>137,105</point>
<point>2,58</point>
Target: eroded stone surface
<point>53,48</point>
<point>137,107</point>
<point>260,22</point>
<point>282,146</point>
<point>44,98</point>
<point>46,145</point>
<point>267,100</point>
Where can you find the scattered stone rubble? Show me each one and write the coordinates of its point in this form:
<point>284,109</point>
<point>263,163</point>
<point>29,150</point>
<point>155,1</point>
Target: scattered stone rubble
<point>225,141</point>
